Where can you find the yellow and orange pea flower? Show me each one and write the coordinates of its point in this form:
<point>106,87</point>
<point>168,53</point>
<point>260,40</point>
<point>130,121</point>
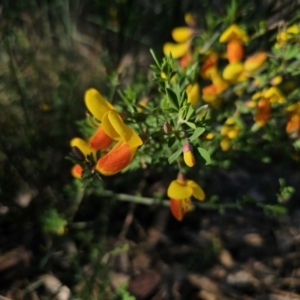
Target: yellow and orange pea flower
<point>263,111</point>
<point>293,123</point>
<point>229,132</point>
<point>112,128</point>
<point>182,36</point>
<point>238,71</point>
<point>264,101</point>
<point>209,67</point>
<point>287,35</point>
<point>211,93</point>
<point>180,192</point>
<point>234,36</point>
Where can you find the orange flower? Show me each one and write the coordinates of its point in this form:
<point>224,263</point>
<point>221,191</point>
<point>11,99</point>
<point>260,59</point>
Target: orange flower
<point>234,36</point>
<point>180,192</point>
<point>209,66</point>
<point>120,156</point>
<point>293,123</point>
<point>181,49</point>
<point>263,112</point>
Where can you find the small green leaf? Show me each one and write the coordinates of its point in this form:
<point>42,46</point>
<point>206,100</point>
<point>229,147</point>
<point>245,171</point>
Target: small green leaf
<point>190,124</point>
<point>198,131</point>
<point>204,154</point>
<point>172,97</point>
<point>189,112</point>
<point>276,209</point>
<point>174,155</point>
<point>155,58</point>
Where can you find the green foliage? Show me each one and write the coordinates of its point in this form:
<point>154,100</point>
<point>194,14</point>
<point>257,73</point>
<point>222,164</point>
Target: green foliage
<point>124,294</point>
<point>52,222</point>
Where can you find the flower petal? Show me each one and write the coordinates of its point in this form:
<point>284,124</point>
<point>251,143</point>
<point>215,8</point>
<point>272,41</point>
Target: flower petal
<point>177,50</point>
<point>77,171</point>
<point>114,127</point>
<point>263,112</point>
<point>83,146</point>
<point>96,104</point>
<point>100,140</point>
<point>116,160</point>
<point>179,190</point>
<point>235,50</point>
<point>233,32</point>
<point>193,93</point>
<point>198,193</point>
<point>255,62</point>
<point>293,123</point>
<point>181,34</point>
<point>232,71</point>
<point>180,207</point>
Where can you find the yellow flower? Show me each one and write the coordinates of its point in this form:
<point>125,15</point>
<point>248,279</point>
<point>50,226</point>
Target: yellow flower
<point>209,136</point>
<point>276,80</point>
<point>193,93</point>
<point>286,35</point>
<point>225,144</point>
<point>180,192</point>
<point>176,50</point>
<point>229,131</point>
<point>113,126</point>
<point>182,34</point>
<point>275,95</point>
<point>190,19</point>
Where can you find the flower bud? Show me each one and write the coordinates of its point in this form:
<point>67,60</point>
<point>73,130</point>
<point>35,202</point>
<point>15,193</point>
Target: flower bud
<point>276,80</point>
<point>167,128</point>
<point>77,171</point>
<point>188,155</point>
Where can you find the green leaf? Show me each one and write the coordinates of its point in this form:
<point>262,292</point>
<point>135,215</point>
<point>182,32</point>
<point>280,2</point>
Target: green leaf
<point>189,112</point>
<point>172,97</point>
<point>276,209</point>
<point>204,153</point>
<point>155,58</point>
<point>174,155</point>
<point>190,124</point>
<point>198,131</point>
